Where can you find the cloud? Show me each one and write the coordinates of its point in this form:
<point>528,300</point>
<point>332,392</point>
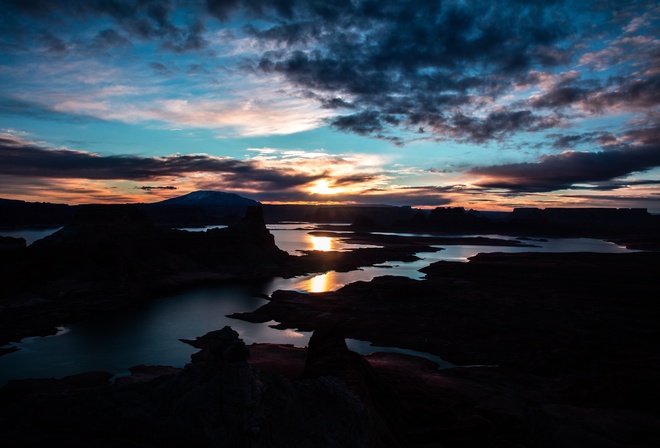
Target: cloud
<point>151,188</point>
<point>143,20</point>
<point>256,112</point>
<point>281,171</point>
<point>414,64</point>
<point>448,68</point>
<point>618,94</point>
<point>21,158</point>
<point>404,64</point>
<point>30,170</point>
<point>271,175</point>
<point>160,69</point>
<point>110,38</point>
<point>465,71</point>
<point>563,141</point>
<point>563,171</point>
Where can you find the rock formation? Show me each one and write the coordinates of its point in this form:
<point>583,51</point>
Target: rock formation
<point>218,400</point>
<point>113,257</point>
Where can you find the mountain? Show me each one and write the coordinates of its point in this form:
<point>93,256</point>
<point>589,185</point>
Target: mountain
<point>208,198</point>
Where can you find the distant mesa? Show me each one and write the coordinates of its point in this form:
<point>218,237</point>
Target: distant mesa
<point>199,208</point>
<point>207,198</point>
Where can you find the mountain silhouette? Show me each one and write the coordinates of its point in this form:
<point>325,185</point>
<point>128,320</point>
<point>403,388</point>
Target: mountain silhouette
<point>206,198</point>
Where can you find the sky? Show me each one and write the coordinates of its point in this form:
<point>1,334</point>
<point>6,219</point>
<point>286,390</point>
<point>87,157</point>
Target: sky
<point>480,104</point>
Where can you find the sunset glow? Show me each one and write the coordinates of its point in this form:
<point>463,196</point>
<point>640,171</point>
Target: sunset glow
<point>485,105</point>
<point>323,187</point>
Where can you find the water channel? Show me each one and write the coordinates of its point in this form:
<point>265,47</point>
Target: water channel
<point>150,335</point>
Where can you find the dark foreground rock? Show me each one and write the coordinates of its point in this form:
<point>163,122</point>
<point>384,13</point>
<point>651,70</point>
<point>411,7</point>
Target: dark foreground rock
<point>113,258</point>
<point>218,400</point>
<point>271,395</point>
<point>570,338</point>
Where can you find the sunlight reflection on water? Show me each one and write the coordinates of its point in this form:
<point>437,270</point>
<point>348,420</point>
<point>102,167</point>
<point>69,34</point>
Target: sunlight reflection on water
<point>320,283</point>
<point>151,334</point>
<point>322,243</point>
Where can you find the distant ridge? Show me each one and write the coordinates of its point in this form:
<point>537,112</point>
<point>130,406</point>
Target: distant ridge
<point>208,198</point>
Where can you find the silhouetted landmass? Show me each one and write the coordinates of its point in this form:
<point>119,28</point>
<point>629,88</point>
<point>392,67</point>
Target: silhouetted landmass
<point>560,351</point>
<point>34,214</point>
<point>217,400</point>
<point>564,343</point>
<point>113,257</point>
<point>199,208</point>
<point>335,213</point>
<point>634,227</point>
<point>209,198</point>
<point>570,339</point>
<point>10,245</point>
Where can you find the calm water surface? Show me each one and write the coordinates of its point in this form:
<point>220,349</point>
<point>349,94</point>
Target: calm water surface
<point>151,334</point>
<point>30,235</point>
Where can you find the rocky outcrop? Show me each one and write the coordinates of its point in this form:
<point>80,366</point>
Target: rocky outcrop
<point>328,355</point>
<point>218,400</point>
<point>563,343</point>
<point>15,213</point>
<point>113,257</point>
<point>10,245</point>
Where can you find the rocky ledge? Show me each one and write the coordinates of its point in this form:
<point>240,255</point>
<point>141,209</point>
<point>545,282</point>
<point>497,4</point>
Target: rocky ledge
<point>219,399</point>
<point>567,342</point>
<point>270,395</point>
<point>113,257</point>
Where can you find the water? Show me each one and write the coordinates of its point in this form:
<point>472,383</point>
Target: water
<point>331,281</point>
<point>30,235</point>
<point>294,238</point>
<point>151,334</point>
<point>201,229</point>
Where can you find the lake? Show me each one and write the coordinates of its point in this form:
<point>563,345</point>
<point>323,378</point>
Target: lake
<point>150,335</point>
<point>30,235</point>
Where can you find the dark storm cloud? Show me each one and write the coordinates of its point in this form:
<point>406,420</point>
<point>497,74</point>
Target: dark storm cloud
<point>53,44</point>
<point>498,125</point>
<point>629,94</point>
<point>363,123</point>
<point>563,142</point>
<point>20,158</point>
<point>161,69</point>
<point>441,68</point>
<point>150,188</point>
<point>426,66</point>
<point>110,38</point>
<point>137,19</point>
<point>187,40</point>
<point>561,171</point>
<point>412,64</point>
<point>615,185</point>
<point>642,93</point>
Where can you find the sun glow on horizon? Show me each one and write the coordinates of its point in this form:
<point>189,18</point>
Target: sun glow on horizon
<point>322,186</point>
